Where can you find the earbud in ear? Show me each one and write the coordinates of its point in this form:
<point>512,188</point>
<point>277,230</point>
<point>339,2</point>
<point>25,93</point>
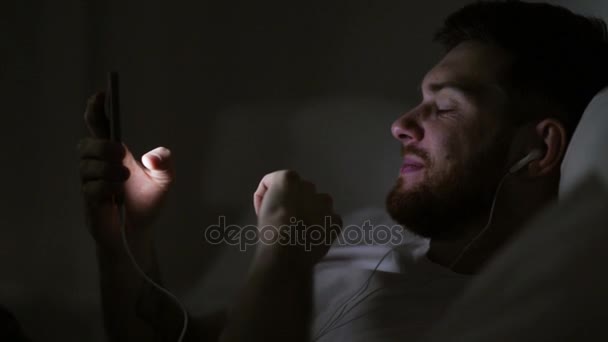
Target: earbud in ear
<point>533,155</point>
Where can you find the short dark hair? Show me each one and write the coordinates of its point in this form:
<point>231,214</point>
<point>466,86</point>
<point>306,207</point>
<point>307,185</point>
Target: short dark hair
<point>558,56</point>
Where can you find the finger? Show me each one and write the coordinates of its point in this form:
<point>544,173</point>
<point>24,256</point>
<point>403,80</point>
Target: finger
<point>159,164</point>
<point>97,191</point>
<point>95,117</point>
<point>92,169</point>
<point>307,187</point>
<point>260,192</point>
<point>101,149</point>
<point>281,177</point>
<point>258,196</point>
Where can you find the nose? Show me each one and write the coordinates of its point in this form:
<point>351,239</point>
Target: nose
<point>407,128</point>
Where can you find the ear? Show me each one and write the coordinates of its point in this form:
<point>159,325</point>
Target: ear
<point>552,136</point>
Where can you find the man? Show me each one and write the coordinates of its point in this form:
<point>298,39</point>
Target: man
<point>509,91</point>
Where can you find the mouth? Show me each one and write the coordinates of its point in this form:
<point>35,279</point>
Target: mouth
<point>411,165</point>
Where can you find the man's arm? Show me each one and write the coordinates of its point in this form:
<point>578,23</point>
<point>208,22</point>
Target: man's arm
<point>276,303</point>
<point>133,309</point>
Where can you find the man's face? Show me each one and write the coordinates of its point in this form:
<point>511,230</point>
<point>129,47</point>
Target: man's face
<point>454,144</point>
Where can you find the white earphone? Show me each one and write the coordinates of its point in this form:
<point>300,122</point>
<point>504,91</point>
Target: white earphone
<point>533,155</point>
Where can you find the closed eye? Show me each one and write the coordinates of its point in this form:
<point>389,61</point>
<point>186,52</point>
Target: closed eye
<point>440,111</point>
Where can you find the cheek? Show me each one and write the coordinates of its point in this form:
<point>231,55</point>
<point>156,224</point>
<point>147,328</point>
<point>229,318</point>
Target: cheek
<point>447,153</point>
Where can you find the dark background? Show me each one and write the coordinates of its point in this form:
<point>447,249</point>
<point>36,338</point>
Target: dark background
<point>236,89</point>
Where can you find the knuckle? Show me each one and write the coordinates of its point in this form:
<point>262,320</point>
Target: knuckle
<point>82,166</point>
<point>89,148</point>
<point>89,189</point>
<point>97,187</point>
<point>96,191</point>
<point>104,170</point>
<point>288,176</point>
<point>95,170</point>
<point>104,149</point>
<point>89,167</point>
<point>84,147</point>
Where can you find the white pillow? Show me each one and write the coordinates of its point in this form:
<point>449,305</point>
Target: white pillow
<point>550,284</point>
<point>586,153</point>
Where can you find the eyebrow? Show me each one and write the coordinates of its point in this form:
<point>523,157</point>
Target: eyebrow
<point>467,89</point>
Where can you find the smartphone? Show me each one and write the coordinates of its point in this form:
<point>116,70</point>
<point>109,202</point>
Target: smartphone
<point>112,106</point>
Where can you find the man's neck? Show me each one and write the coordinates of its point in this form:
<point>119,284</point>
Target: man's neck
<point>518,201</point>
<point>469,253</point>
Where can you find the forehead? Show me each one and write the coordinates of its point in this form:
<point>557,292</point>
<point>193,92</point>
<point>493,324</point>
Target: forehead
<point>474,66</point>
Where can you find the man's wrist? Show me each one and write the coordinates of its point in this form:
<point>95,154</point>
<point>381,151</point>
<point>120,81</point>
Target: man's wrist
<point>286,257</point>
<point>142,250</point>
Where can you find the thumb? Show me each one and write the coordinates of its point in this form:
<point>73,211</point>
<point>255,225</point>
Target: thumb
<point>159,164</point>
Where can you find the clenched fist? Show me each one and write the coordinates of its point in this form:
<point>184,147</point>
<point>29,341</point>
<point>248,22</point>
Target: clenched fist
<point>303,221</point>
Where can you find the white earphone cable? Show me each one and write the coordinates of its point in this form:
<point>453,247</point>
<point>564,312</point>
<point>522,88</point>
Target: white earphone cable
<point>333,319</point>
<point>485,228</point>
<point>121,216</point>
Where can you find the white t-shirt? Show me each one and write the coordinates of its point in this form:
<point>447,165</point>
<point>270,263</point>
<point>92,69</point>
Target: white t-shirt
<point>404,297</point>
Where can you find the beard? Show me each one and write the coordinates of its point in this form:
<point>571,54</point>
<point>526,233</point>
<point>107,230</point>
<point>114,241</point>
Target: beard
<point>443,204</point>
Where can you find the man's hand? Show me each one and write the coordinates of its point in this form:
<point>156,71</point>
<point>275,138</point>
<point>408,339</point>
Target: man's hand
<point>276,303</point>
<point>108,170</point>
<point>283,199</point>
